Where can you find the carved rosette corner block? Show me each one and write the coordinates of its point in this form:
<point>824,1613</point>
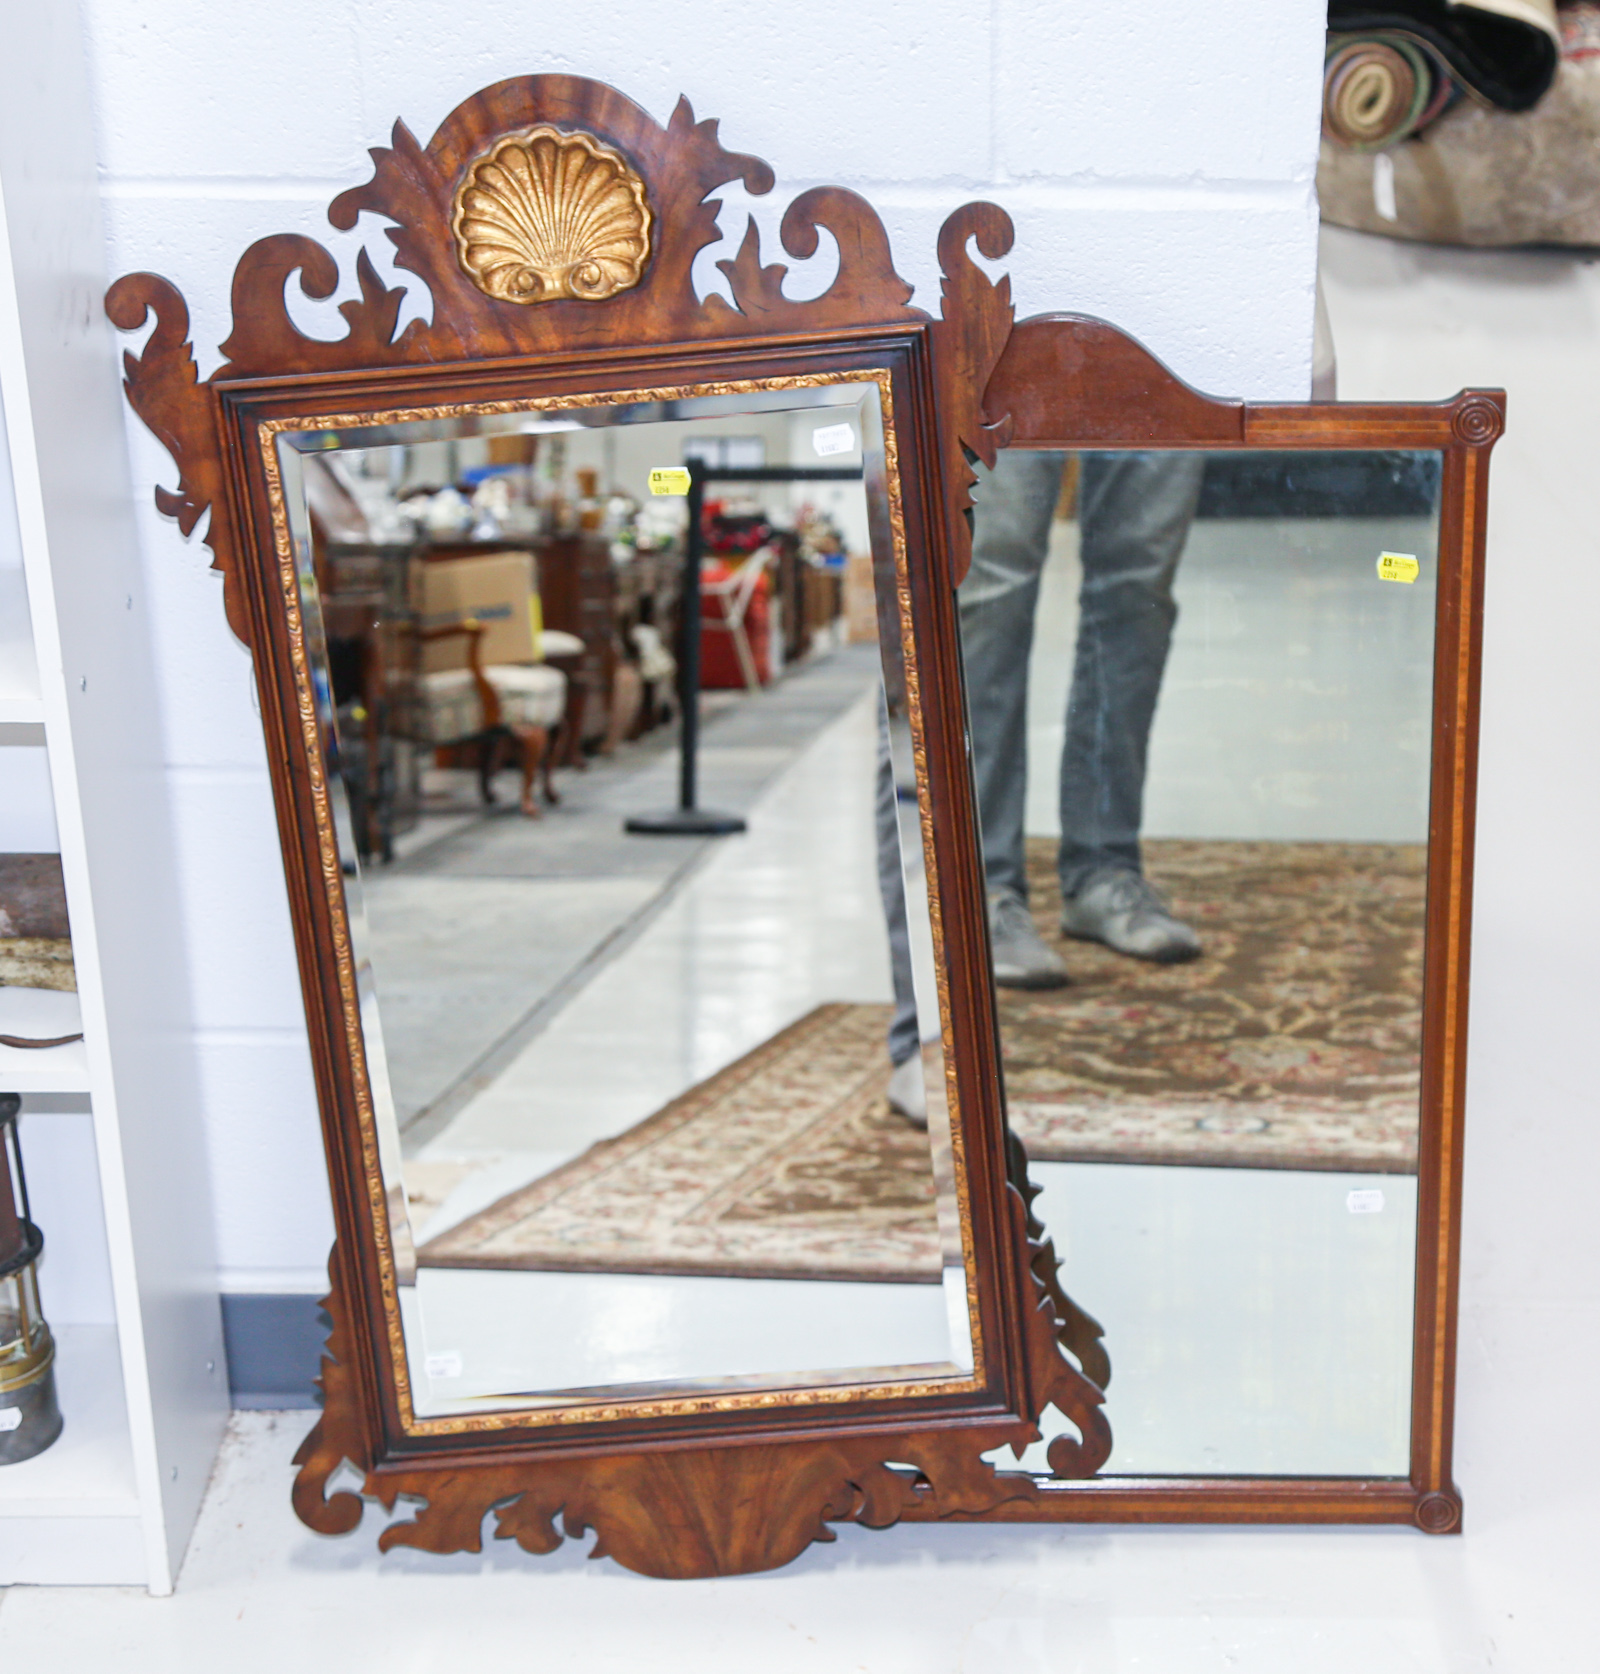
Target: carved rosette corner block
<point>1439,1512</point>
<point>544,215</point>
<point>1480,419</point>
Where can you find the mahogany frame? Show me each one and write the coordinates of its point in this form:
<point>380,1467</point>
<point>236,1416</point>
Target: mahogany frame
<point>723,1485</point>
<point>1066,381</point>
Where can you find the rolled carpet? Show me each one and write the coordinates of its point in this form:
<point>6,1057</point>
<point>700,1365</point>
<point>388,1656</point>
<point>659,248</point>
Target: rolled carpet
<point>1501,51</point>
<point>1378,88</point>
<point>1481,176</point>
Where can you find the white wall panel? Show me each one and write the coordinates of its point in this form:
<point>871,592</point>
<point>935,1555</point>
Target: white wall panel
<point>235,906</point>
<point>1102,93</point>
<point>273,1214</point>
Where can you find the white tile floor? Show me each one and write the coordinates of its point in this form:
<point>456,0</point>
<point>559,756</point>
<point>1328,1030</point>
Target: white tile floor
<point>1514,1593</point>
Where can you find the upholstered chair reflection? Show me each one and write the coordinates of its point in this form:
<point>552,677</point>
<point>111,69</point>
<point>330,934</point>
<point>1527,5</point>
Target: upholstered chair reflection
<point>519,706</point>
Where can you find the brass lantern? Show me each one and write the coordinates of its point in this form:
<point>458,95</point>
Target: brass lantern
<point>29,1417</point>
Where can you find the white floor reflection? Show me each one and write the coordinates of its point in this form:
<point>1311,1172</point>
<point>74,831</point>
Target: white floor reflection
<point>771,925</point>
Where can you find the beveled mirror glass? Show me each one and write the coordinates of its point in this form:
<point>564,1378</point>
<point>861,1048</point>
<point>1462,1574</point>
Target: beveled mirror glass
<point>632,1088</point>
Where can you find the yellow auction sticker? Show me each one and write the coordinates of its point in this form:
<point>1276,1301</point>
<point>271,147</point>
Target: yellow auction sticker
<point>669,479</point>
<point>1397,566</point>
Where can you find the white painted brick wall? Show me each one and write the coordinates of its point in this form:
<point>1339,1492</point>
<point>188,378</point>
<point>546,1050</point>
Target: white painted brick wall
<point>1158,161</point>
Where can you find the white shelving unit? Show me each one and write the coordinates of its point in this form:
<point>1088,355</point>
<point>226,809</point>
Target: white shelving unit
<point>111,1129</point>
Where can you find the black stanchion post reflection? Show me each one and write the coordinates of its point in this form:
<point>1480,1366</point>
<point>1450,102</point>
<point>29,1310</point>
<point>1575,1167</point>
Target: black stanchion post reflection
<point>688,819</point>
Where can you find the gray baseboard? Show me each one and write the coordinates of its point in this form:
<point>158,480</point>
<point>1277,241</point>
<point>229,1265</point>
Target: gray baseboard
<point>274,1346</point>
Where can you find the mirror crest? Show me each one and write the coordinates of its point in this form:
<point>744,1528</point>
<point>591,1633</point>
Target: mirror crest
<point>545,215</point>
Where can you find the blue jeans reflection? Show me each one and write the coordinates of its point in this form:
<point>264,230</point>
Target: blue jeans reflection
<point>1134,512</point>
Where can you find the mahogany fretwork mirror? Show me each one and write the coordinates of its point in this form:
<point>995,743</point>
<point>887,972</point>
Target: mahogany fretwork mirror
<point>669,1153</point>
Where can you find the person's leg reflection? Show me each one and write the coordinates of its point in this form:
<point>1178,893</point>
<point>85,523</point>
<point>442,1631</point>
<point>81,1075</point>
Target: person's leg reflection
<point>1134,513</point>
<point>907,1094</point>
<point>1012,509</point>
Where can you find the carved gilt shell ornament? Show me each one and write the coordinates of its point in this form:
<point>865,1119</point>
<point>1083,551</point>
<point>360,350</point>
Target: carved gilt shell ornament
<point>546,214</point>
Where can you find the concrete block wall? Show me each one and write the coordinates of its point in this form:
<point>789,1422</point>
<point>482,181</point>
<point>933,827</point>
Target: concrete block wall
<point>1158,162</point>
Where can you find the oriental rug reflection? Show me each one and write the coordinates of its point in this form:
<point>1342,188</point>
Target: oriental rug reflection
<point>1294,1041</point>
<point>786,1164</point>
